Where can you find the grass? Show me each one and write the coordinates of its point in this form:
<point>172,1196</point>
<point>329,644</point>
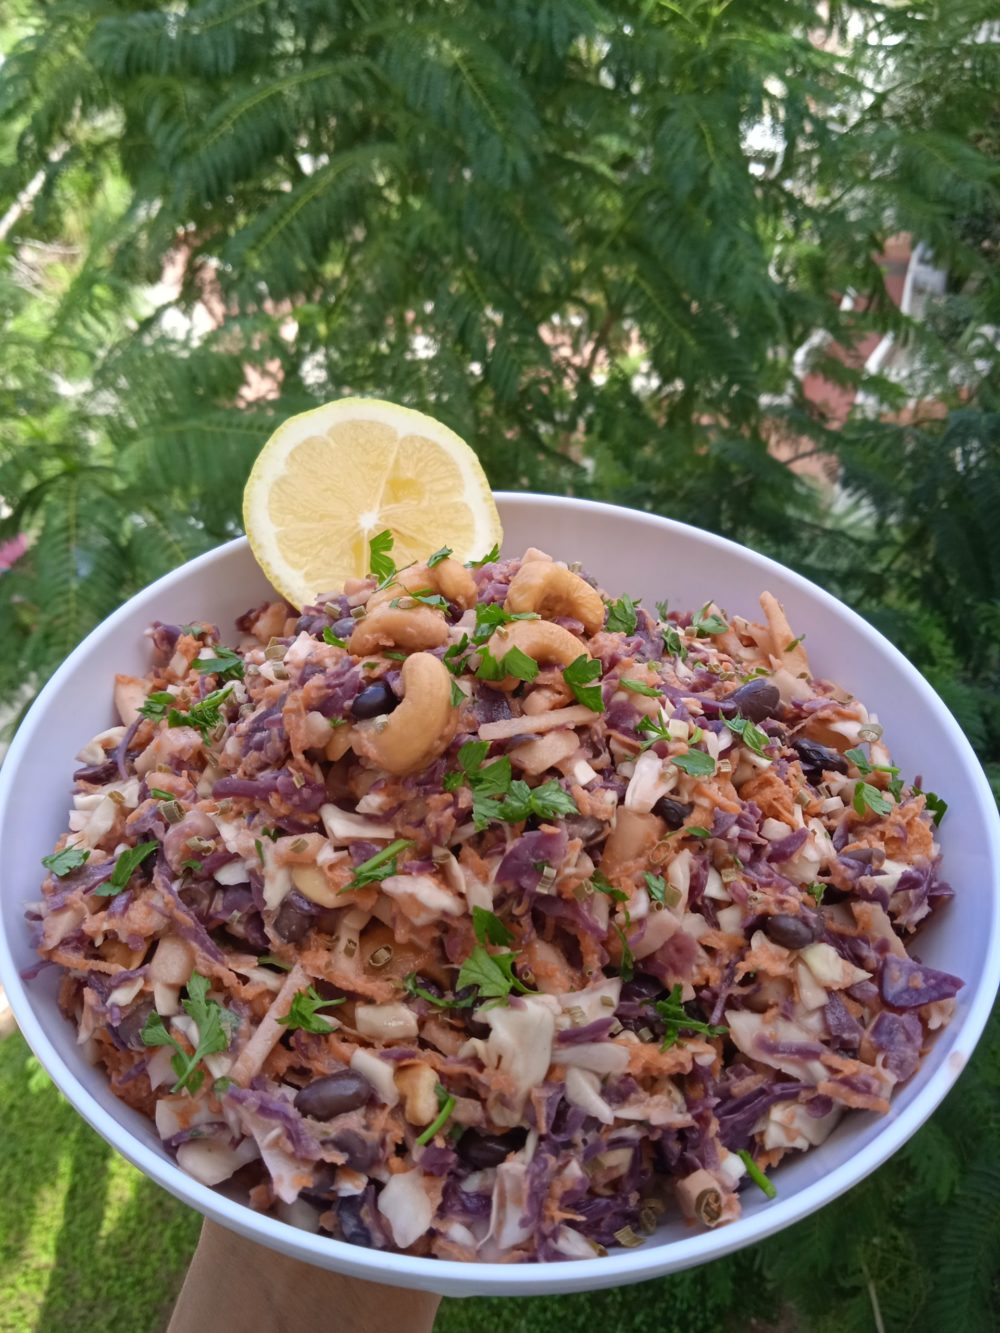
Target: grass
<point>88,1244</point>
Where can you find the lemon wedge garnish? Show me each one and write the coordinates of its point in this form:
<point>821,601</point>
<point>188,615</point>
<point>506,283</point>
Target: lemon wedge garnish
<point>329,480</point>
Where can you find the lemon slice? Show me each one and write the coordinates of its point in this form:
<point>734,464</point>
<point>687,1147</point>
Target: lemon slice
<point>329,480</point>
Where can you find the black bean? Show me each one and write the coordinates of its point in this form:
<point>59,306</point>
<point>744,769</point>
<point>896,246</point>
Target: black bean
<point>130,1028</point>
<point>674,812</point>
<point>374,701</point>
<point>757,699</point>
<point>333,1095</point>
<point>791,932</point>
<point>291,923</point>
<point>352,1228</point>
<point>344,628</point>
<point>360,1151</point>
<point>481,1151</point>
<point>641,988</point>
<point>817,759</point>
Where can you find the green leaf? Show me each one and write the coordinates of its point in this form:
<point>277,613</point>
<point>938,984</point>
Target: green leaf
<point>457,695</point>
<point>442,554</point>
<point>492,973</point>
<point>706,625</point>
<point>303,1013</point>
<point>379,866</point>
<point>601,884</point>
<point>491,615</point>
<point>158,794</point>
<point>489,929</point>
<point>413,988</point>
<point>654,729</point>
<point>816,891</point>
<point>380,562</point>
<point>639,687</point>
<point>205,715</point>
<point>673,641</point>
<point>333,639</point>
<point>695,762</point>
<point>622,618</point>
<point>423,597</point>
<point>64,862</point>
<point>676,1020</point>
<point>867,797</point>
<point>156,705</point>
<point>215,1024</point>
<point>752,737</point>
<point>125,867</point>
<point>513,663</point>
<point>226,664</point>
<point>488,559</point>
<point>934,803</point>
<point>577,675</point>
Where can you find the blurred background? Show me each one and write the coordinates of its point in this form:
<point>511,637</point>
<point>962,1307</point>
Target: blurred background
<point>733,261</point>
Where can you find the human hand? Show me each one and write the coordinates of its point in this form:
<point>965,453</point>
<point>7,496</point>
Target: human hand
<point>236,1286</point>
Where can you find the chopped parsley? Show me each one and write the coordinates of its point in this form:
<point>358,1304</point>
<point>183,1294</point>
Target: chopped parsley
<point>696,831</point>
<point>707,625</point>
<point>513,663</point>
<point>601,884</point>
<point>626,966</point>
<point>488,559</point>
<point>413,988</point>
<point>304,1014</point>
<point>622,618</point>
<point>334,640</point>
<point>578,675</point>
<point>654,729</point>
<point>639,687</point>
<point>496,794</point>
<point>867,797</point>
<point>156,705</point>
<point>159,794</point>
<point>226,664</point>
<point>673,641</point>
<point>192,863</point>
<point>696,762</point>
<point>676,1020</point>
<point>125,867</point>
<point>379,866</point>
<point>546,801</point>
<point>657,887</point>
<point>453,656</point>
<point>493,974</point>
<point>490,929</point>
<point>64,862</point>
<point>491,615</point>
<point>752,737</point>
<point>816,891</point>
<point>457,694</point>
<point>790,647</point>
<point>424,597</point>
<point>380,562</point>
<point>216,1026</point>
<point>937,805</point>
<point>438,556</point>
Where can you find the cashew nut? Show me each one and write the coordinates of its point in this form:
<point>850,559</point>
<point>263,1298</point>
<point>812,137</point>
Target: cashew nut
<point>417,1082</point>
<point>420,728</point>
<point>448,577</point>
<point>633,836</point>
<point>314,885</point>
<point>548,644</point>
<point>393,627</point>
<point>553,590</point>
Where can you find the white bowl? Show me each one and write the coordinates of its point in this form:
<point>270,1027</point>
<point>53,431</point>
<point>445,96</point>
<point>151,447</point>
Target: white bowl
<point>629,552</point>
